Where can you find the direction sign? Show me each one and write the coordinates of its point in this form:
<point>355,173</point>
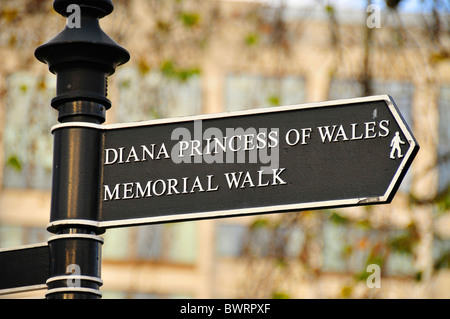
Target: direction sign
<point>319,155</point>
<point>24,268</point>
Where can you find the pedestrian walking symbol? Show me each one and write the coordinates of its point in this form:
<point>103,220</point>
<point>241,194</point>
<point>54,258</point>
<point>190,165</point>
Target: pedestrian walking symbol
<point>395,146</point>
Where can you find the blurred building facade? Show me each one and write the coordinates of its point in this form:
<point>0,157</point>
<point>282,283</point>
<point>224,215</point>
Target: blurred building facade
<point>216,56</point>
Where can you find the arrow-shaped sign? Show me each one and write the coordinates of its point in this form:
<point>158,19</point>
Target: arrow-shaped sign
<point>24,268</point>
<point>319,155</point>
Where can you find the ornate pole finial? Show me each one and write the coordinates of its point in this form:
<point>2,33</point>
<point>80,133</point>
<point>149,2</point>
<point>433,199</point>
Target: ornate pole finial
<point>82,58</point>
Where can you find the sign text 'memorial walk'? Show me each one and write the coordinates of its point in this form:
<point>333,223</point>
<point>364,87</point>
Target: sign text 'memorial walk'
<point>319,155</point>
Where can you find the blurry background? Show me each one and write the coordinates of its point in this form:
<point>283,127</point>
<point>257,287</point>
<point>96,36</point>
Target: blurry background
<point>195,56</point>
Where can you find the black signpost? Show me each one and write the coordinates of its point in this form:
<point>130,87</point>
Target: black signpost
<point>319,155</point>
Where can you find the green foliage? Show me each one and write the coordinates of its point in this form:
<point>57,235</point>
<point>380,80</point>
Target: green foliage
<point>251,39</point>
<point>14,162</point>
<point>24,88</point>
<point>402,244</point>
<point>274,100</point>
<point>441,253</point>
<point>418,276</point>
<point>405,242</point>
<point>443,261</point>
<point>154,114</point>
<point>362,275</point>
<point>259,223</point>
<point>363,224</point>
<point>329,9</point>
<point>338,219</point>
<point>346,291</point>
<point>190,19</point>
<point>126,84</point>
<point>443,201</point>
<point>281,262</point>
<point>171,71</point>
<point>280,295</point>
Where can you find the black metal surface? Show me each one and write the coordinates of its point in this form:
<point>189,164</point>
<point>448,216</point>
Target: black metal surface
<point>85,254</point>
<point>76,174</point>
<point>82,59</point>
<point>24,267</point>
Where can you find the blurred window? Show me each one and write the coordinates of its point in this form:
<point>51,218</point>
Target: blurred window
<point>350,248</point>
<point>27,141</point>
<point>152,95</point>
<point>14,236</point>
<point>171,243</point>
<point>244,91</point>
<point>236,240</point>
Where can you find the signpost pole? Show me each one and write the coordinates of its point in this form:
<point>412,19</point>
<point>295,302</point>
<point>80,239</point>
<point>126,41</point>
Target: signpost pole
<point>82,56</point>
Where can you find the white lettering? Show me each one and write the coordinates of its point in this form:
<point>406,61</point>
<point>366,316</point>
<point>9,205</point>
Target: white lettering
<point>184,145</point>
<point>111,195</point>
<point>248,180</point>
<point>291,142</point>
<point>172,186</point>
<point>198,185</point>
<point>163,151</point>
<point>273,137</point>
<point>128,190</point>
<point>145,150</point>
<point>354,132</point>
<point>163,187</point>
<point>326,134</point>
<point>340,133</point>
<point>384,128</point>
<point>210,187</point>
<point>233,181</point>
<point>108,160</point>
<point>140,192</point>
<point>260,182</point>
<point>247,308</point>
<point>132,154</point>
<point>276,177</point>
<point>370,127</point>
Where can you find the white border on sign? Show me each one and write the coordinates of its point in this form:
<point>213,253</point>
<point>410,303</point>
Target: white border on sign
<point>23,288</point>
<point>255,210</point>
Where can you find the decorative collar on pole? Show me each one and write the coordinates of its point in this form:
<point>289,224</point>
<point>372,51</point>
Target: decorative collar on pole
<point>82,57</point>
